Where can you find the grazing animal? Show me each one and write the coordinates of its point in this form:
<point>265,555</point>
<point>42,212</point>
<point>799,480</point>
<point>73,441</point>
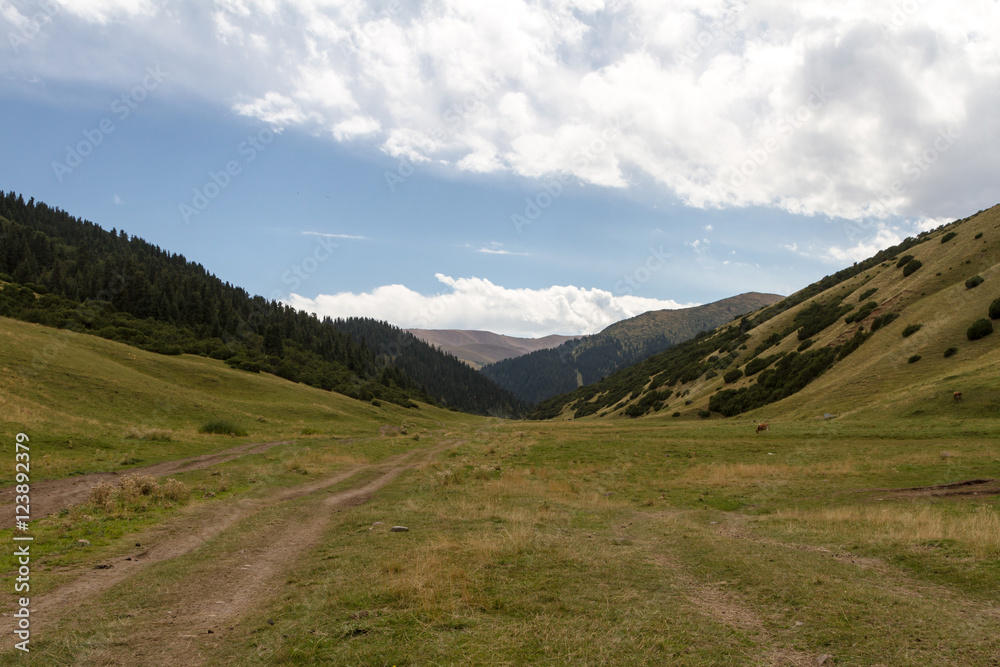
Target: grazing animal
<point>957,395</point>
<point>763,427</point>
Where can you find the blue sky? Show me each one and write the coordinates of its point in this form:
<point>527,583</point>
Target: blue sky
<point>525,167</point>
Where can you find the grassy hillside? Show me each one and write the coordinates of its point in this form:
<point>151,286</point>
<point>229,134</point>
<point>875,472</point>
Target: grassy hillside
<point>95,405</point>
<point>69,273</point>
<point>540,375</point>
<point>873,336</point>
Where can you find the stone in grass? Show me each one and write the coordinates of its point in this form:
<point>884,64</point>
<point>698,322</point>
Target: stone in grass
<point>83,543</point>
<point>399,529</point>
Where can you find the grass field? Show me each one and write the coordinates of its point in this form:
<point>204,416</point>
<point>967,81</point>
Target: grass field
<point>651,541</point>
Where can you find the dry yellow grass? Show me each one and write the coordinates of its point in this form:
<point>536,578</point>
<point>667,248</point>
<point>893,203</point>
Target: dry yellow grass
<point>978,531</point>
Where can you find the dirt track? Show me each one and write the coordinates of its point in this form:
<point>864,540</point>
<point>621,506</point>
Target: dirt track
<point>50,496</point>
<point>226,587</point>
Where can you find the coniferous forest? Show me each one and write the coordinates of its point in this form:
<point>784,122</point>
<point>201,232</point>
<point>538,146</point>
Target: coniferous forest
<point>61,271</point>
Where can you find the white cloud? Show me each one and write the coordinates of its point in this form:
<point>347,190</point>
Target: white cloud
<point>810,107</point>
<point>336,236</point>
<point>476,303</point>
<point>118,200</point>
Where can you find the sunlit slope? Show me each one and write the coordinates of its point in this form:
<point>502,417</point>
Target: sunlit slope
<point>76,394</point>
<point>837,346</point>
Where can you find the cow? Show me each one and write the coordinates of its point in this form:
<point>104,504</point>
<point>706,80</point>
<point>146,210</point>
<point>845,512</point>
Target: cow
<point>957,396</point>
<point>763,427</point>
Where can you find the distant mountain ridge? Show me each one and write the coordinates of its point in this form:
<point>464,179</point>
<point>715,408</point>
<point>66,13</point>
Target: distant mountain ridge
<point>478,348</point>
<point>543,374</point>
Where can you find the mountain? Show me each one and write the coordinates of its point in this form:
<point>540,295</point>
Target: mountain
<point>898,332</point>
<point>477,348</point>
<point>68,273</point>
<point>540,375</point>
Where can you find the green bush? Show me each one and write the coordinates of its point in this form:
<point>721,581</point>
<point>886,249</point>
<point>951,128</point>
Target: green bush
<point>947,237</point>
<point>805,345</point>
<point>979,329</point>
<point>883,320</point>
<point>758,364</point>
<point>911,266</point>
<point>903,260</point>
<point>862,312</point>
<point>704,414</point>
<point>979,235</point>
<point>912,360</point>
<point>732,376</point>
<point>911,329</point>
<point>676,414</point>
<point>223,427</point>
<point>867,293</point>
<point>974,281</point>
<point>995,310</point>
<point>950,351</point>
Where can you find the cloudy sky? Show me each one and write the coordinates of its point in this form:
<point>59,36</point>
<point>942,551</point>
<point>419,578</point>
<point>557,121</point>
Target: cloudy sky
<point>523,166</point>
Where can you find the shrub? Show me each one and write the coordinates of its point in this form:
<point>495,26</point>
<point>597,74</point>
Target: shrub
<point>676,414</point>
<point>732,376</point>
<point>950,351</point>
<point>911,266</point>
<point>911,329</point>
<point>979,235</point>
<point>102,494</point>
<point>915,358</point>
<point>867,293</point>
<point>173,490</point>
<point>995,310</point>
<point>947,237</point>
<point>704,414</point>
<point>979,329</point>
<point>758,364</point>
<point>903,260</point>
<point>974,281</point>
<point>862,312</point>
<point>223,427</point>
<point>883,320</point>
<point>805,345</point>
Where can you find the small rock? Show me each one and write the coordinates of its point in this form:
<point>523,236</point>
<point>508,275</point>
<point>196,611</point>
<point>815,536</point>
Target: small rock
<point>399,529</point>
<point>270,621</point>
<point>798,623</point>
<point>83,543</point>
<point>713,522</point>
<point>211,632</point>
<point>378,523</point>
<point>824,659</point>
<point>102,566</point>
<point>770,453</point>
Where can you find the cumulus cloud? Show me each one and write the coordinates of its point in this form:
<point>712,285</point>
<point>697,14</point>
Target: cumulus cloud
<point>476,303</point>
<point>851,109</point>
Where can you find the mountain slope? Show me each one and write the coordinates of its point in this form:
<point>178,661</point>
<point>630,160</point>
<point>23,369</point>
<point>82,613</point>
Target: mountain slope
<point>478,348</point>
<point>540,375</point>
<point>69,273</point>
<point>873,336</point>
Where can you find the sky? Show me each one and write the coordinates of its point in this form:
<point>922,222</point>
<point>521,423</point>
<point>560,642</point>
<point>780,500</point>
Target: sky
<point>524,167</point>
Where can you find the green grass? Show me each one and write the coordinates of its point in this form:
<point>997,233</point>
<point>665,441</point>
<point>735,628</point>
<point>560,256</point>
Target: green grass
<point>222,427</point>
<point>658,540</point>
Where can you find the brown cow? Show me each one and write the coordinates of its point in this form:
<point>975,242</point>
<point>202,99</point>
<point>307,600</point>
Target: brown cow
<point>957,396</point>
<point>763,427</point>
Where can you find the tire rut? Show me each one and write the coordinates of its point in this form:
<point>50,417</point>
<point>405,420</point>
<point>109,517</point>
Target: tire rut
<point>247,584</point>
